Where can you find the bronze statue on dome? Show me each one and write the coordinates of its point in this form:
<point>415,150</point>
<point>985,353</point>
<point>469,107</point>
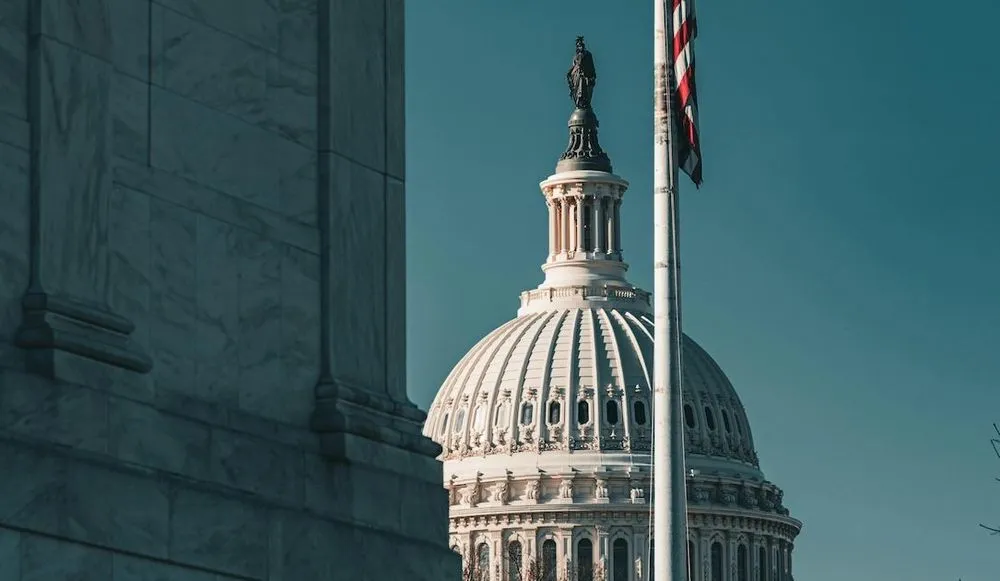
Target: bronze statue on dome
<point>581,76</point>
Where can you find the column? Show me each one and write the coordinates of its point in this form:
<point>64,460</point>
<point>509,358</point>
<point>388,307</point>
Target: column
<point>579,223</point>
<point>609,226</point>
<point>602,549</point>
<point>552,228</point>
<point>564,229</point>
<point>618,226</point>
<point>571,226</point>
<point>596,224</point>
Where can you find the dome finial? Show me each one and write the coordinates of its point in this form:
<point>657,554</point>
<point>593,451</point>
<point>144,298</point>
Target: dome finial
<point>583,152</point>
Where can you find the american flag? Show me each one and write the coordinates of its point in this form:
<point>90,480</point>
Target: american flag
<point>684,28</point>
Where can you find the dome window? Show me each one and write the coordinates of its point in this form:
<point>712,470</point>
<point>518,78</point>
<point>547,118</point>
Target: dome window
<point>583,412</point>
<point>690,560</point>
<point>502,414</point>
<point>620,561</point>
<point>739,425</point>
<point>725,422</point>
<point>460,420</point>
<point>611,412</point>
<point>549,560</point>
<point>555,412</point>
<point>444,425</point>
<point>483,562</point>
<point>527,413</point>
<point>585,560</point>
<point>514,559</point>
<point>716,561</point>
<point>479,418</point>
<point>742,564</point>
<point>709,418</point>
<point>639,412</point>
<point>688,415</point>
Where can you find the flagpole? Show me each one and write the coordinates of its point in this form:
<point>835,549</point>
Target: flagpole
<point>669,495</point>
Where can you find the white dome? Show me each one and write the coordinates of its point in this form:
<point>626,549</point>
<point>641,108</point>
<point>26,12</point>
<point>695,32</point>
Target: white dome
<point>578,380</point>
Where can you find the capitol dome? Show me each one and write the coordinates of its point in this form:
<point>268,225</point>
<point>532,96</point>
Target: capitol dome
<point>546,423</point>
<point>545,380</point>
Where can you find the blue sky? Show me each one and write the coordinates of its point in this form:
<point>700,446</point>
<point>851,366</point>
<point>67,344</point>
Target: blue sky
<point>841,262</point>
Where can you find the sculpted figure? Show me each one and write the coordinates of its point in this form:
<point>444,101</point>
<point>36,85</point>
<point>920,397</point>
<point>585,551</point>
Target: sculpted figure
<point>581,76</point>
<point>531,491</point>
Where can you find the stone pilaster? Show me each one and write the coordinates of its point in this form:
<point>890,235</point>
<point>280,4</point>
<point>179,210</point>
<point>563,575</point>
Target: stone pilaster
<point>65,308</point>
<point>362,390</point>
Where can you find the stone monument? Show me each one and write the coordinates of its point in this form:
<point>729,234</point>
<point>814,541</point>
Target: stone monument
<point>202,306</point>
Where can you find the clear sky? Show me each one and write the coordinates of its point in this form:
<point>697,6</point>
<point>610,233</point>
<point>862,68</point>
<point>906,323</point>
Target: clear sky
<point>841,262</point>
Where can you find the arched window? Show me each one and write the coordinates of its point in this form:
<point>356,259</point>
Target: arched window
<point>527,413</point>
<point>619,561</point>
<point>460,420</point>
<point>583,411</point>
<point>555,412</point>
<point>611,412</point>
<point>585,560</point>
<point>688,415</point>
<point>690,558</point>
<point>483,562</point>
<point>716,561</point>
<point>762,570</point>
<point>444,425</point>
<point>742,564</point>
<point>639,412</point>
<point>725,422</point>
<point>514,561</point>
<point>479,418</point>
<point>588,238</point>
<point>709,418</point>
<point>549,560</point>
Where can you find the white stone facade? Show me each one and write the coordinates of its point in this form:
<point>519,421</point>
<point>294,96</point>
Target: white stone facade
<point>546,427</point>
<point>202,296</point>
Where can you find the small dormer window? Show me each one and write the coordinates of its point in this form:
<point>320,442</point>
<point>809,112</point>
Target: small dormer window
<point>479,418</point>
<point>502,414</point>
<point>583,412</point>
<point>611,412</point>
<point>639,412</point>
<point>688,415</point>
<point>555,412</point>
<point>725,422</point>
<point>709,418</point>
<point>460,420</point>
<point>444,425</point>
<point>527,413</point>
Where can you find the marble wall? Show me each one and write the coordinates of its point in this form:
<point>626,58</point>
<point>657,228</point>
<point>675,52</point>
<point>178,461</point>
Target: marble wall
<point>202,295</point>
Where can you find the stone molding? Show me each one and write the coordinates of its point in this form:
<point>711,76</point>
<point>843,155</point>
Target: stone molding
<point>345,410</point>
<point>52,323</point>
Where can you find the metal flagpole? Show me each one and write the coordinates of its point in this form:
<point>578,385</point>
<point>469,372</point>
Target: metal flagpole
<point>669,496</point>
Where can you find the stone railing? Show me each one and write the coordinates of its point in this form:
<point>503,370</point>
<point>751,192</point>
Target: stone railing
<point>612,293</point>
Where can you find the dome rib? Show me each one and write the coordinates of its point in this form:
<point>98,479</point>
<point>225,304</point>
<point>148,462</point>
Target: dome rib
<point>513,337</point>
<point>542,323</point>
<point>636,347</point>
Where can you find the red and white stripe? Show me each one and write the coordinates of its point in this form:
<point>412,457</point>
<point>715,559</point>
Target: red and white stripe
<point>684,28</point>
